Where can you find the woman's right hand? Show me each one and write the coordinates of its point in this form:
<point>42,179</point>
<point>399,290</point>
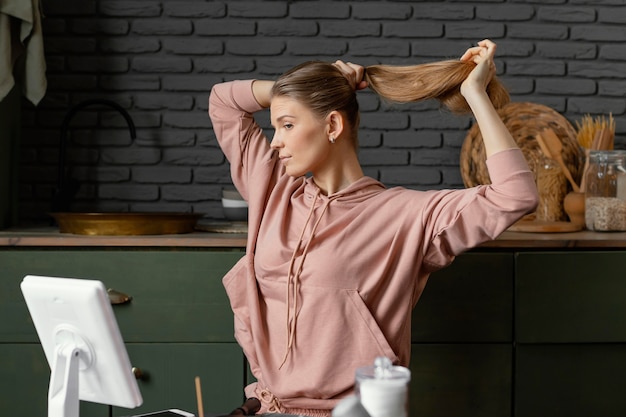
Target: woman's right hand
<point>354,73</point>
<point>249,408</point>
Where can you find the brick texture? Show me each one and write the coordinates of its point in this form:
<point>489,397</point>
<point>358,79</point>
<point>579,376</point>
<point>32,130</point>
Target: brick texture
<point>159,58</point>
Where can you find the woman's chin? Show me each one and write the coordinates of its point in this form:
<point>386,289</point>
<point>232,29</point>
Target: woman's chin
<point>293,172</point>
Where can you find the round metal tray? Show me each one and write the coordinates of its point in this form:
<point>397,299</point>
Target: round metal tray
<point>107,224</point>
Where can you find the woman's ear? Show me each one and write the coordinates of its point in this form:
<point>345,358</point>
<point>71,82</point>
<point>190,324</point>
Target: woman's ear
<point>335,124</point>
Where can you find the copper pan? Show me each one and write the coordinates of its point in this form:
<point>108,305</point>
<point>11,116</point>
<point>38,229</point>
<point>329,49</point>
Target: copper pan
<point>96,224</point>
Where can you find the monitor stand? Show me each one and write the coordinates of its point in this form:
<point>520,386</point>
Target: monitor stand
<point>71,352</point>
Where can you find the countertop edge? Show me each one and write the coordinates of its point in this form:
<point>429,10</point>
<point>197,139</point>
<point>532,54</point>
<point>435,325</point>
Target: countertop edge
<point>56,239</point>
<point>507,240</point>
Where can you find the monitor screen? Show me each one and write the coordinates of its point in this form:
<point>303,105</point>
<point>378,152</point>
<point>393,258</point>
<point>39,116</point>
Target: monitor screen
<point>82,343</point>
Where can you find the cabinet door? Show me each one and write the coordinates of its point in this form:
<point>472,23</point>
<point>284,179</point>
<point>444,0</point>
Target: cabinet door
<point>570,380</point>
<point>24,381</point>
<point>570,297</point>
<point>461,380</point>
<point>170,370</point>
<point>177,296</point>
<point>469,301</point>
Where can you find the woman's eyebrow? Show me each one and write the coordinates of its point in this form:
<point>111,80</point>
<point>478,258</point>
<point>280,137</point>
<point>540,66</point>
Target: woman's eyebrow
<point>279,118</point>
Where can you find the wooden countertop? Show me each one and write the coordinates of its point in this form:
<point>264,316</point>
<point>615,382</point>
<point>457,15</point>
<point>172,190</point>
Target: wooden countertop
<point>573,240</point>
<point>50,237</point>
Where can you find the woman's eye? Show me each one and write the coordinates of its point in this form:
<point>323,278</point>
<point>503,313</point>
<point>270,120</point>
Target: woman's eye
<point>288,125</point>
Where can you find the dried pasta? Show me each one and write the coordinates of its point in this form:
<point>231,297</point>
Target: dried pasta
<point>588,126</point>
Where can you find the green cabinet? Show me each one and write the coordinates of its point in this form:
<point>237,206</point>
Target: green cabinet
<point>178,325</point>
<point>501,333</point>
<point>571,297</point>
<point>24,378</point>
<point>170,370</point>
<point>571,336</point>
<point>574,380</point>
<point>570,357</point>
<point>461,380</point>
<point>470,301</point>
<point>462,331</point>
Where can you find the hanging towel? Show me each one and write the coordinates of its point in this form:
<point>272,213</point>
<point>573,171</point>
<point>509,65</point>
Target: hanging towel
<point>22,57</point>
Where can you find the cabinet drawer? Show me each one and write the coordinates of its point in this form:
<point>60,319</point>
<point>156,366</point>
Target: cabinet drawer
<point>24,379</point>
<point>570,380</point>
<point>469,301</point>
<point>461,380</point>
<point>570,297</point>
<point>177,295</point>
<point>170,370</point>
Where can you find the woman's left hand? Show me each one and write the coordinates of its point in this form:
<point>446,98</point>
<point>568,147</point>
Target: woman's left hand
<point>482,55</point>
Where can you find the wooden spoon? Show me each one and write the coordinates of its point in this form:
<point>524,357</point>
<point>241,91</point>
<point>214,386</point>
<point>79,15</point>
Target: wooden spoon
<point>551,146</point>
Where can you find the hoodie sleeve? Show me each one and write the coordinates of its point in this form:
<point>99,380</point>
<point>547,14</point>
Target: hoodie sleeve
<point>231,108</point>
<point>459,220</point>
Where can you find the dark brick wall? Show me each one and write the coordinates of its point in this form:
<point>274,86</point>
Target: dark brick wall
<point>159,59</point>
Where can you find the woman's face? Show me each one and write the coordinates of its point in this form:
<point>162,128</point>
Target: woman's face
<point>300,138</point>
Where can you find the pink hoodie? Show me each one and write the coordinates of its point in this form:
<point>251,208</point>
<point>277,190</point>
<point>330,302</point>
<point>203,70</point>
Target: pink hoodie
<point>329,282</point>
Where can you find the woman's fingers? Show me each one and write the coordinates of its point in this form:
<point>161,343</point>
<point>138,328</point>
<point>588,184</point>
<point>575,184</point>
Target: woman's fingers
<point>482,56</point>
<point>353,72</point>
<point>484,49</point>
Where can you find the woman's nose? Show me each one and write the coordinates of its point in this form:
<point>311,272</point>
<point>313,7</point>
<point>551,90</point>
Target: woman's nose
<point>276,142</point>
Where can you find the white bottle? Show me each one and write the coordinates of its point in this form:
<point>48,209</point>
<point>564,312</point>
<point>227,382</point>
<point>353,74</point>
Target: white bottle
<point>383,388</point>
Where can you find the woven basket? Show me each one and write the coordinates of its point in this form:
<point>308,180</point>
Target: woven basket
<point>524,121</point>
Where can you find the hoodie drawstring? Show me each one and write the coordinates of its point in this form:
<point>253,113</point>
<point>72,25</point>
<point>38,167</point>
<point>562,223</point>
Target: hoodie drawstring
<point>295,277</point>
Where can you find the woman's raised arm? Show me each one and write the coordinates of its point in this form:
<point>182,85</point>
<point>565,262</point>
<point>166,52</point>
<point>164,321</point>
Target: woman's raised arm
<point>262,91</point>
<point>496,136</point>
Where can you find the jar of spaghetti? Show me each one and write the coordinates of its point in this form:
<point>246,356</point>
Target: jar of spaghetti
<point>552,187</point>
<point>605,192</point>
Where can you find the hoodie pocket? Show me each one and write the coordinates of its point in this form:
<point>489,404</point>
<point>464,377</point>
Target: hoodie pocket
<point>335,334</point>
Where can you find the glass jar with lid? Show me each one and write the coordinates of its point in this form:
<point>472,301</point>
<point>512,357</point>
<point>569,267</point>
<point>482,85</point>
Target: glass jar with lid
<point>605,192</point>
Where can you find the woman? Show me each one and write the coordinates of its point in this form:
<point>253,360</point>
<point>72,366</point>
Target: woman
<point>335,261</point>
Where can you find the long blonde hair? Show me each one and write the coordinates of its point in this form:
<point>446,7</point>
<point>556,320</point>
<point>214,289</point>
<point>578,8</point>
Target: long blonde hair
<point>438,80</point>
<point>322,87</point>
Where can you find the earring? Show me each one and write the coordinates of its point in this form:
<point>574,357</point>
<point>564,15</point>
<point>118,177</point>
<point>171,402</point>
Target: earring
<point>332,139</point>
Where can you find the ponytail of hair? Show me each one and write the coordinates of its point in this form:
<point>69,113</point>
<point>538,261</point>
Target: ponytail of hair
<point>439,80</point>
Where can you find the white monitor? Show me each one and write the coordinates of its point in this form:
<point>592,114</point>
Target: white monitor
<point>82,343</point>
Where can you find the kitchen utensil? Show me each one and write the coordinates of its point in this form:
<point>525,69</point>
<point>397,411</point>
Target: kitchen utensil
<point>199,396</point>
<point>552,147</point>
<point>574,206</point>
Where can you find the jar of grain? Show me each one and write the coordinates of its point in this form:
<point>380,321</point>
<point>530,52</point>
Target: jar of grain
<point>605,194</point>
<point>552,187</point>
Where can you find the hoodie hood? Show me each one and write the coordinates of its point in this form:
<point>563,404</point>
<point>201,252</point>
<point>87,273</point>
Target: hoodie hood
<point>360,190</point>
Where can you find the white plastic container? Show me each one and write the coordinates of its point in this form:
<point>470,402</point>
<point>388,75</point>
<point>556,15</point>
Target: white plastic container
<point>384,388</point>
